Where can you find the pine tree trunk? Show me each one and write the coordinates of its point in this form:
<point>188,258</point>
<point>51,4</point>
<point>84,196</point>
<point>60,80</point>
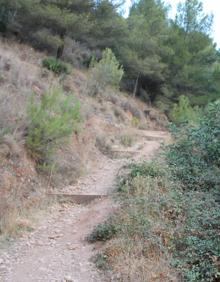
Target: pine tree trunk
<point>136,86</point>
<point>61,47</point>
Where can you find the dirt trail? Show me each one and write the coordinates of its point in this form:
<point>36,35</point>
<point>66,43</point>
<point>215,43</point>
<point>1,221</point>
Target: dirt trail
<point>57,250</point>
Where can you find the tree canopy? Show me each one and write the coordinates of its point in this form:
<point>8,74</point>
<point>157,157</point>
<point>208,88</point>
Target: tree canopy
<point>162,58</point>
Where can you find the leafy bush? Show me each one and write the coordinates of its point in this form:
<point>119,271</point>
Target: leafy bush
<point>106,72</point>
<point>100,260</point>
<point>51,121</point>
<point>183,112</point>
<point>151,169</point>
<point>194,161</point>
<point>172,211</point>
<point>187,222</point>
<point>195,156</point>
<point>145,169</point>
<point>104,231</point>
<point>56,65</point>
<point>196,249</point>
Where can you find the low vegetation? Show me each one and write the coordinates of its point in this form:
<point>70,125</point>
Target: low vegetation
<point>103,73</point>
<point>104,231</point>
<point>183,112</point>
<point>104,145</point>
<point>57,66</point>
<point>50,122</point>
<point>127,140</point>
<point>194,157</point>
<point>169,215</point>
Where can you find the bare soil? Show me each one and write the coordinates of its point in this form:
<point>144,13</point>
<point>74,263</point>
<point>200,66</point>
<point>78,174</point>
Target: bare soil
<point>57,250</point>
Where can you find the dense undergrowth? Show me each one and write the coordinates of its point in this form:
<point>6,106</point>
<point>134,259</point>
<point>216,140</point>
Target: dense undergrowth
<point>169,211</point>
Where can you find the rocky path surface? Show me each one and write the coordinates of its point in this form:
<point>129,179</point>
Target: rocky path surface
<point>57,249</point>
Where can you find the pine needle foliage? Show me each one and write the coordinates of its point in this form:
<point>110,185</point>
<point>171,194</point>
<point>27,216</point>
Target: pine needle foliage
<point>51,121</point>
<point>183,112</point>
<point>106,72</point>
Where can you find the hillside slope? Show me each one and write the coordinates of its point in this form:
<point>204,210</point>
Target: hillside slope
<point>108,122</point>
<point>57,250</point>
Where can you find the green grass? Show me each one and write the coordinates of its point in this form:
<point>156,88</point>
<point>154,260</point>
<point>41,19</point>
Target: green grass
<point>56,65</point>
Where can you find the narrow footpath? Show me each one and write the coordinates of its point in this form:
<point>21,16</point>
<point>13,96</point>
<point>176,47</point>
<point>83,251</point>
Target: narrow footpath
<point>57,250</point>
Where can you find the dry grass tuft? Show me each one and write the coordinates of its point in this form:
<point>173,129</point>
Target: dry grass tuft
<point>20,186</point>
<point>104,145</point>
<point>127,140</point>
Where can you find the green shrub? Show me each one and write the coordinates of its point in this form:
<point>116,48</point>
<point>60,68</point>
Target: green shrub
<point>194,158</point>
<point>183,112</point>
<point>140,170</point>
<point>106,72</point>
<point>50,122</point>
<point>145,169</point>
<point>101,261</point>
<point>133,218</point>
<point>104,231</point>
<point>56,66</point>
<point>194,161</point>
<point>188,220</point>
<point>196,249</point>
